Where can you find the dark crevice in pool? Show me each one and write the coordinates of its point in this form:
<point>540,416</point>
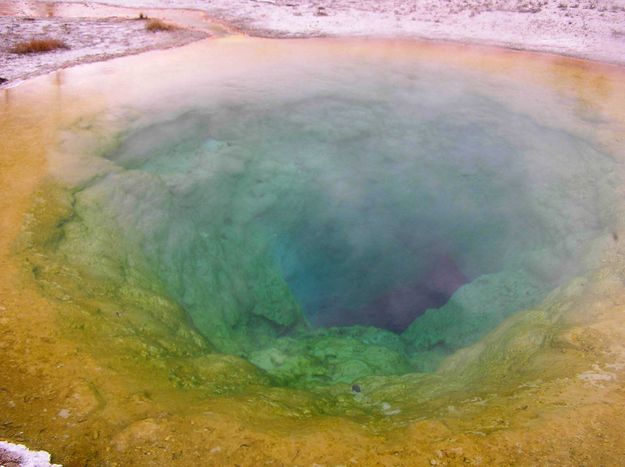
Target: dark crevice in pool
<point>395,309</point>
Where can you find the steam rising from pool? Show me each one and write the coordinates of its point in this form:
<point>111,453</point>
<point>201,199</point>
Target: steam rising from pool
<point>348,218</point>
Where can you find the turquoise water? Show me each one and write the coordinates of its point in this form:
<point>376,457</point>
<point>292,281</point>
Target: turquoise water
<point>359,216</point>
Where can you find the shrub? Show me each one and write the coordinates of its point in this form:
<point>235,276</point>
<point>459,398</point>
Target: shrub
<point>34,46</point>
<point>155,25</point>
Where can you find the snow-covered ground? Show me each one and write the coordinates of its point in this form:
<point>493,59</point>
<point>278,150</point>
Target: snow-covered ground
<point>585,28</point>
<point>18,455</point>
<point>91,34</point>
<point>87,41</point>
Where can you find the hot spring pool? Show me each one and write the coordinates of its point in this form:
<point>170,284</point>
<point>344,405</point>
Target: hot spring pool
<point>349,228</point>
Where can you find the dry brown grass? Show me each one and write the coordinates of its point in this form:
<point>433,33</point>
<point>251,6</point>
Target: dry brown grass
<point>34,46</point>
<point>155,25</point>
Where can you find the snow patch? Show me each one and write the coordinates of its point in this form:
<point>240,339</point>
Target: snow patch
<point>18,454</point>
